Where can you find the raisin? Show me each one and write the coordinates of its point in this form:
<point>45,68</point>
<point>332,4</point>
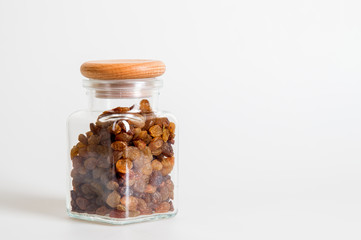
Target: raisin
<point>103,210</point>
<point>82,203</point>
<point>125,137</point>
<point>156,197</point>
<point>90,163</point>
<point>156,178</point>
<point>112,185</point>
<point>140,144</point>
<point>117,214</point>
<point>171,127</point>
<point>121,207</point>
<point>163,207</point>
<point>132,153</point>
<point>150,189</point>
<point>118,145</point>
<point>113,199</point>
<point>83,139</point>
<point>162,122</point>
<point>156,165</point>
<point>155,131</point>
<point>124,165</point>
<point>167,150</point>
<point>139,185</point>
<point>164,192</point>
<point>142,205</point>
<point>125,191</point>
<point>169,184</point>
<point>74,152</point>
<point>155,143</point>
<point>145,106</point>
<point>147,169</point>
<point>168,164</point>
<point>165,135</point>
<point>130,202</point>
<point>94,140</point>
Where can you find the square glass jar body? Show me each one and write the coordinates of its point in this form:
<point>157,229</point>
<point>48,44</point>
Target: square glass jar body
<point>122,158</point>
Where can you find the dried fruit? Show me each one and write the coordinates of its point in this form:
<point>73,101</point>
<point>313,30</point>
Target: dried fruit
<point>156,178</point>
<point>156,165</point>
<point>90,163</point>
<point>150,189</point>
<point>165,135</point>
<point>144,106</point>
<point>103,210</point>
<point>162,122</point>
<point>155,131</point>
<point>112,185</point>
<point>163,207</point>
<point>155,143</point>
<point>124,165</point>
<point>130,202</point>
<point>83,139</point>
<point>171,127</point>
<point>140,144</point>
<point>82,203</point>
<point>118,145</point>
<point>113,199</point>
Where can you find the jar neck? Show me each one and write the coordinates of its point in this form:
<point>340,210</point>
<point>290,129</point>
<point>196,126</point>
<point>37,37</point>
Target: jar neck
<point>108,94</point>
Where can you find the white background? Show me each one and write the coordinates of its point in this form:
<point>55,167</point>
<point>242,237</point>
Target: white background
<point>267,94</point>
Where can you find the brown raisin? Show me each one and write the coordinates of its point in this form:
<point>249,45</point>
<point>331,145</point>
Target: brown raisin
<point>125,137</point>
<point>165,135</point>
<point>82,203</point>
<point>132,153</point>
<point>150,189</point>
<point>118,145</point>
<point>156,165</point>
<point>171,127</point>
<point>164,192</point>
<point>74,152</point>
<point>139,185</point>
<point>156,131</point>
<point>147,169</point>
<point>163,207</point>
<point>94,140</point>
<point>130,202</point>
<point>156,178</point>
<point>156,197</point>
<point>103,210</point>
<point>117,214</point>
<point>162,122</point>
<point>144,106</point>
<point>140,144</point>
<point>167,150</point>
<point>112,185</point>
<point>124,165</point>
<point>121,207</point>
<point>83,139</point>
<point>90,163</point>
<point>155,143</point>
<point>113,199</point>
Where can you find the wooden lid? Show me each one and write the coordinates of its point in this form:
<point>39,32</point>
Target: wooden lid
<point>122,69</point>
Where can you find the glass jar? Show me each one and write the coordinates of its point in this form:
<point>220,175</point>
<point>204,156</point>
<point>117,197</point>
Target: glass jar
<point>122,149</point>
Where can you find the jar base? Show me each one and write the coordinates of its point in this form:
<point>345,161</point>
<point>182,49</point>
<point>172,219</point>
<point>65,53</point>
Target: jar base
<point>120,221</point>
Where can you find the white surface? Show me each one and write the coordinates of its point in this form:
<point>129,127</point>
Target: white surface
<point>267,94</point>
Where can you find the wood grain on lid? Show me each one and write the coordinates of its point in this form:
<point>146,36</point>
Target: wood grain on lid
<point>122,69</point>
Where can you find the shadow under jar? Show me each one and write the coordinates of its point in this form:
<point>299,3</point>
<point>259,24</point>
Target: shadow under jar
<point>122,149</point>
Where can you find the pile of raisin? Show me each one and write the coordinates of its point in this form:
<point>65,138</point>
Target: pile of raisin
<point>122,166</point>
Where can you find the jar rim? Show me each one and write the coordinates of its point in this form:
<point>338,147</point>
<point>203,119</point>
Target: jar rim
<point>123,88</point>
